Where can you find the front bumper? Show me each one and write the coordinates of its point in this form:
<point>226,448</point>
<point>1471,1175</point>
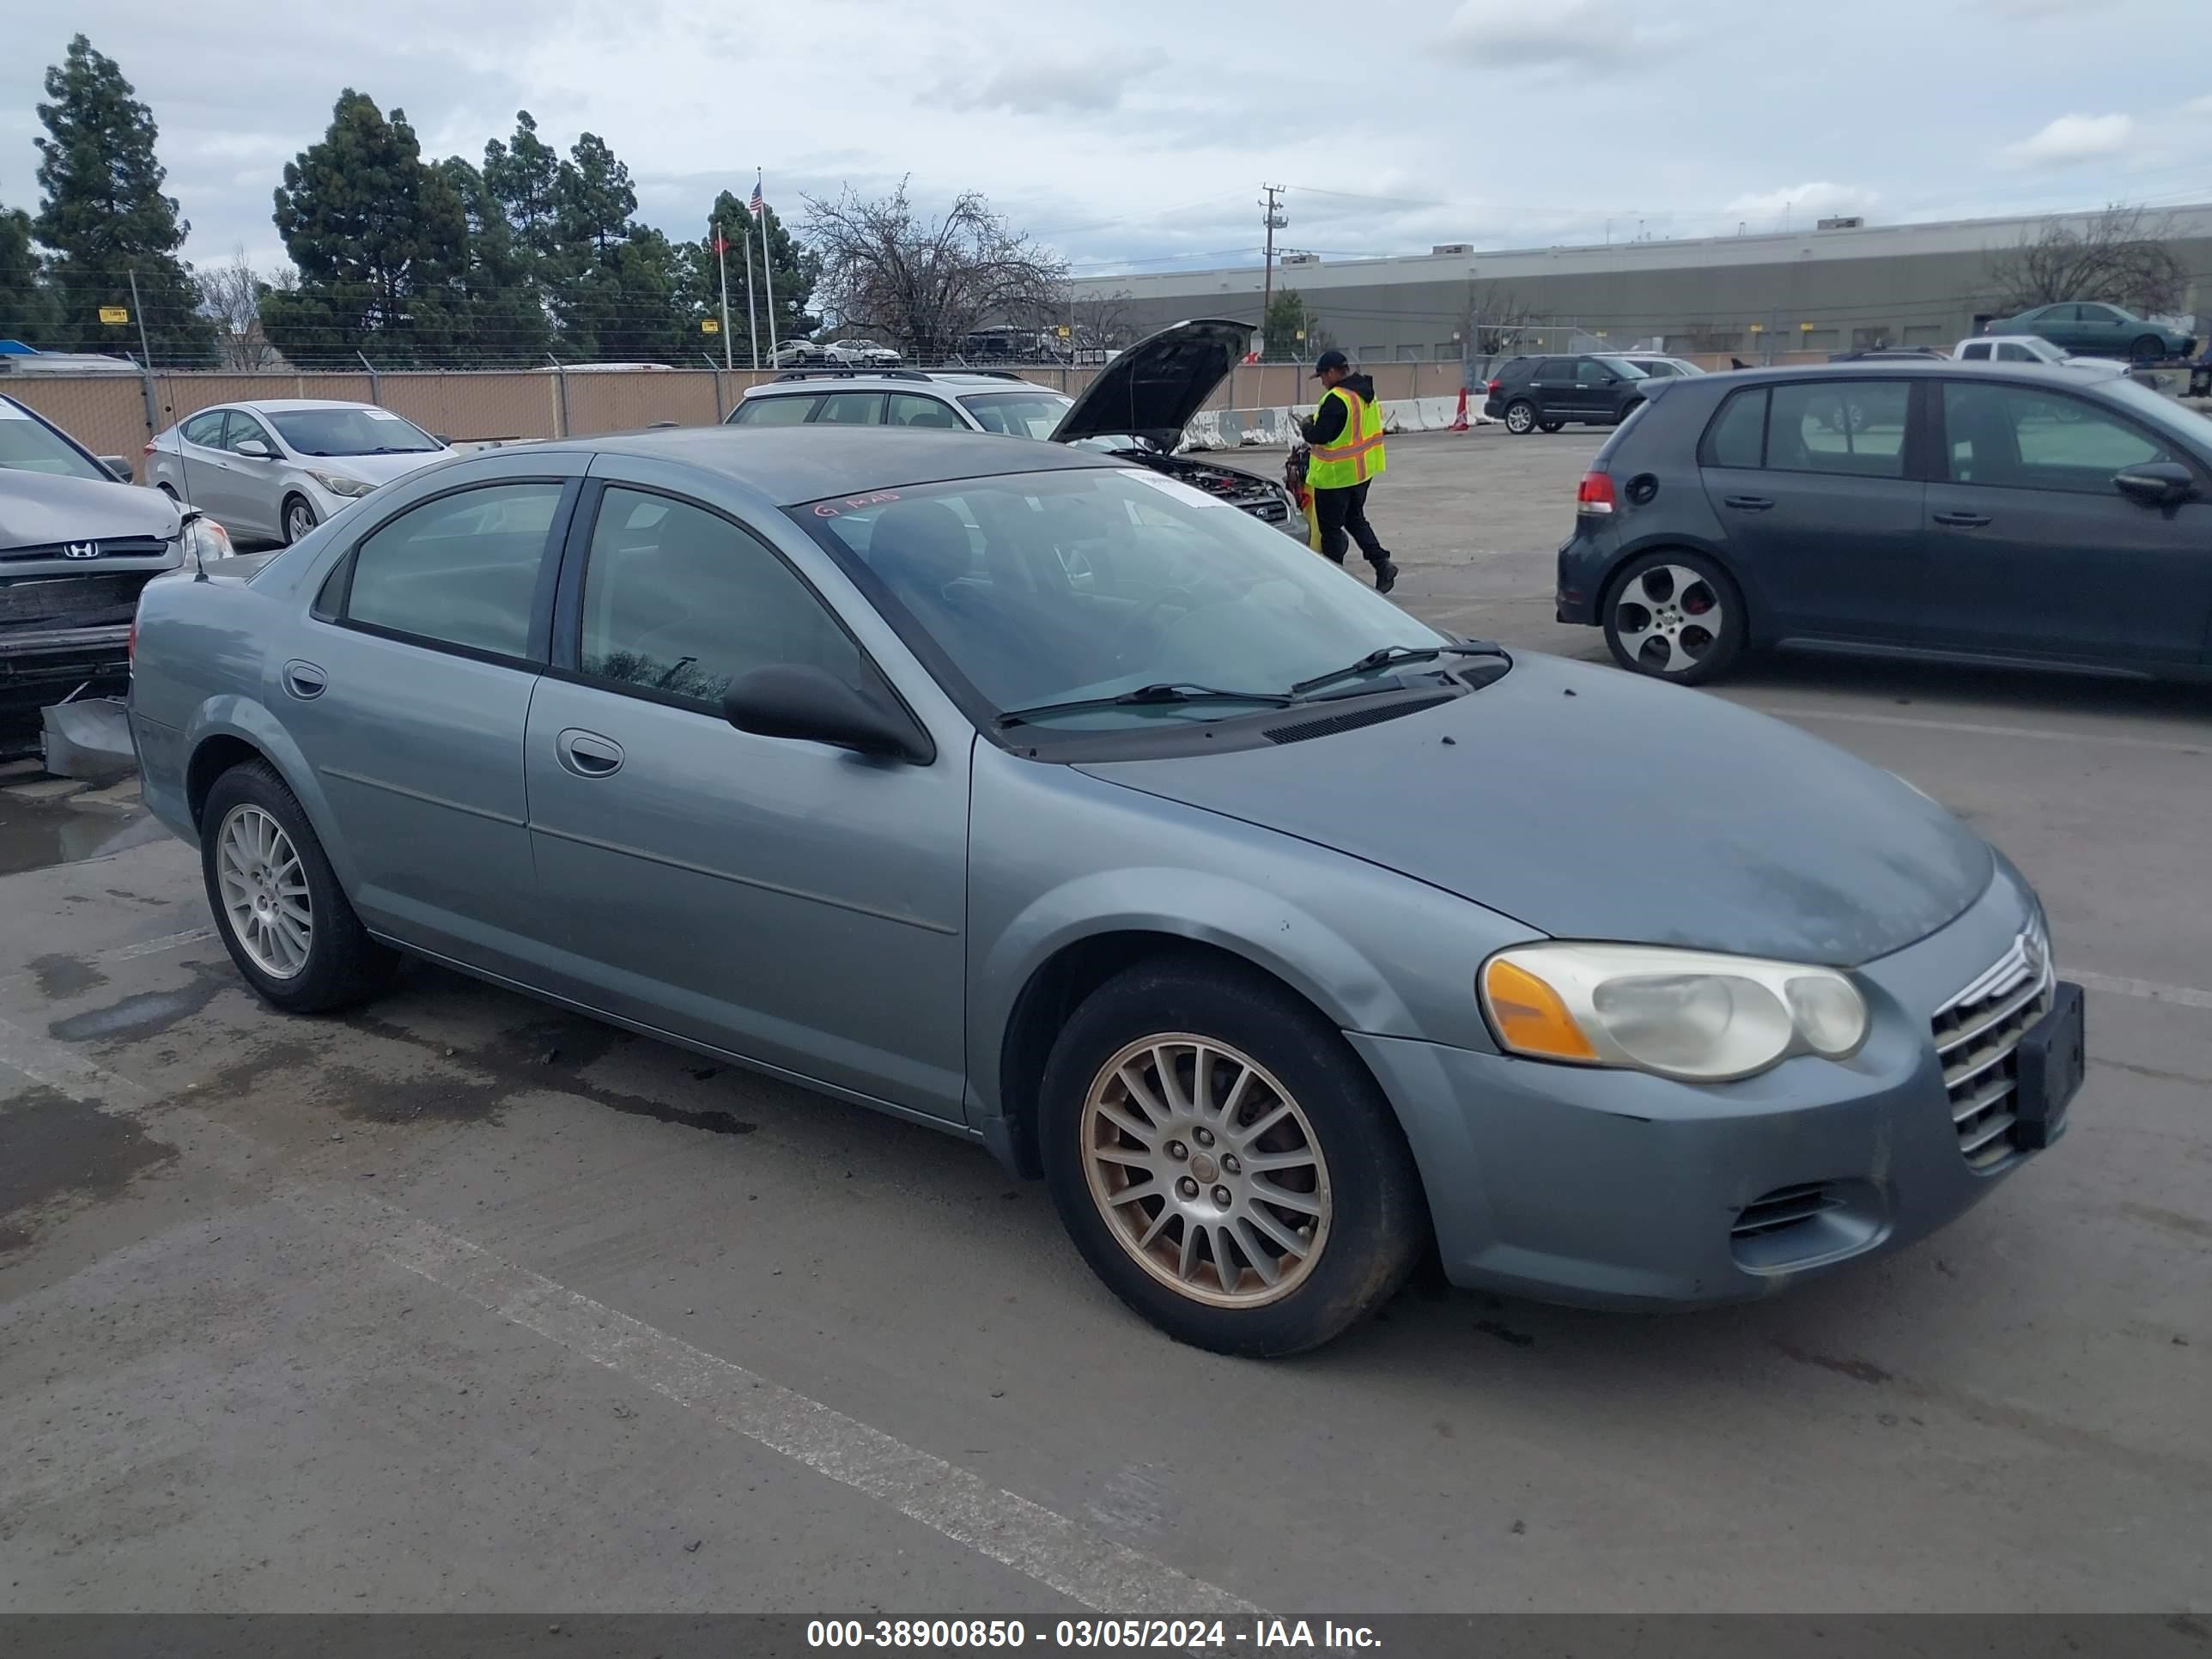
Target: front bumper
<point>46,666</point>
<point>1619,1189</point>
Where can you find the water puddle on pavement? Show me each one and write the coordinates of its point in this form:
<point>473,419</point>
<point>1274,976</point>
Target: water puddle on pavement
<point>34,834</point>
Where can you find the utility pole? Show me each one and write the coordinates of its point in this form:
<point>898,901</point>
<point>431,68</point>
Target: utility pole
<point>1274,221</point>
<point>722,265</point>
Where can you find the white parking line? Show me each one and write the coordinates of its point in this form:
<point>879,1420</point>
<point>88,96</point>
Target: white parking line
<point>2186,996</point>
<point>1037,1542</point>
<point>1974,728</point>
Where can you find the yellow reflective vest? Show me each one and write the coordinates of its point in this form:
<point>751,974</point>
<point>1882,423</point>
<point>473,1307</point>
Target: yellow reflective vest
<point>1357,454</point>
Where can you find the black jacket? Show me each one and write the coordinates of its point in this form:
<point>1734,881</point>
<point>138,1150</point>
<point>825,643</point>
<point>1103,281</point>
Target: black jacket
<point>1330,425</point>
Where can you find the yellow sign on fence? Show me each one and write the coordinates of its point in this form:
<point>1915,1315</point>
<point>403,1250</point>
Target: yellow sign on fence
<point>710,325</point>
<point>114,315</point>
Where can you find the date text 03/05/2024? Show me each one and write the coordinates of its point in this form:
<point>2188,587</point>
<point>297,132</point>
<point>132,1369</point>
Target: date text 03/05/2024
<point>1184,1635</point>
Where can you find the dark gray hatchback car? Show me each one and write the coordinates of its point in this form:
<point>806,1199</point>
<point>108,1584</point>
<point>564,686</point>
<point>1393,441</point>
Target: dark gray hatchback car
<point>2007,513</point>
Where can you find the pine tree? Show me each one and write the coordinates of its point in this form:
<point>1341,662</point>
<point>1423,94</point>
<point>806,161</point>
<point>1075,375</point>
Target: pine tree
<point>619,299</point>
<point>380,242</point>
<point>793,267</point>
<point>28,310</point>
<point>504,318</point>
<point>104,217</point>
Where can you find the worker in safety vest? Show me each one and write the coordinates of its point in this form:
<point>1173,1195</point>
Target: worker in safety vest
<point>1346,438</point>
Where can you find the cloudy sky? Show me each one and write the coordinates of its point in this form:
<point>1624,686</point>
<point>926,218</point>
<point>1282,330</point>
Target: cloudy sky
<point>1135,135</point>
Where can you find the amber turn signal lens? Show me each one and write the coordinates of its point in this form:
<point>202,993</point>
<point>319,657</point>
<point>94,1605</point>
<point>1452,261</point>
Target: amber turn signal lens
<point>1529,1016</point>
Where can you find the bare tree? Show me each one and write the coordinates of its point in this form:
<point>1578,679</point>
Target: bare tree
<point>1098,324</point>
<point>1497,319</point>
<point>927,283</point>
<point>231,294</point>
<point>2122,255</point>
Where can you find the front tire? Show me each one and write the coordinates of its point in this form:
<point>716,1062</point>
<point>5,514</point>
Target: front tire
<point>286,922</point>
<point>297,519</point>
<point>1675,615</point>
<point>1224,1161</point>
<point>1521,417</point>
<point>2148,349</point>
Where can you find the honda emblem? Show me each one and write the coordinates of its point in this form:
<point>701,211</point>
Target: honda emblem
<point>80,550</point>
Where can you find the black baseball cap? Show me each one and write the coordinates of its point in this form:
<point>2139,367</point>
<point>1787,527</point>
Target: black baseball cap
<point>1326,360</point>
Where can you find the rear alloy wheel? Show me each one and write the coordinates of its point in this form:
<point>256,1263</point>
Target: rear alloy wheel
<point>1521,418</point>
<point>298,519</point>
<point>2148,349</point>
<point>1676,616</point>
<point>1224,1162</point>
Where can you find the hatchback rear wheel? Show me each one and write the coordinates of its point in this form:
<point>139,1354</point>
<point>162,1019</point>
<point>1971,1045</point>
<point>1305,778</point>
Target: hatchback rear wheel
<point>1675,615</point>
<point>1224,1162</point>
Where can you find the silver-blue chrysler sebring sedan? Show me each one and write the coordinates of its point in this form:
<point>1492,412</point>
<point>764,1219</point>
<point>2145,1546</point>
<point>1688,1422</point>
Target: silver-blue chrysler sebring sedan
<point>1046,800</point>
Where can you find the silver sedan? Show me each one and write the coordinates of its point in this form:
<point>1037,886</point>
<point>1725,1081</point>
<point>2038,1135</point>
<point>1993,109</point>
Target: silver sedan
<point>274,469</point>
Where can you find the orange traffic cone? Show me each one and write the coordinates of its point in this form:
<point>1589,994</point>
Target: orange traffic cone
<point>1459,421</point>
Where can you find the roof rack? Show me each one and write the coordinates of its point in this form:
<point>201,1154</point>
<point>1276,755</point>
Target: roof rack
<point>852,373</point>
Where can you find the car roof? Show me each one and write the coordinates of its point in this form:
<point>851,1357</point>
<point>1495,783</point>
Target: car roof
<point>285,405</point>
<point>906,380</point>
<point>1888,369</point>
<point>790,464</point>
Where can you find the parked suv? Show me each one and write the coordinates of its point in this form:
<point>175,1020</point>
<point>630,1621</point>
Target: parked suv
<point>1532,392</point>
<point>2010,513</point>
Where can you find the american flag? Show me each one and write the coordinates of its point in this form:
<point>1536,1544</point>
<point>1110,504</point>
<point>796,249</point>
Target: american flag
<point>757,204</point>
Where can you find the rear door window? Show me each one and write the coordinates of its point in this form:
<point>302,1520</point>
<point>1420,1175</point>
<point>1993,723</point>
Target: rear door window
<point>1855,427</point>
<point>204,430</point>
<point>461,570</point>
<point>910,409</point>
<point>851,409</point>
<point>2019,438</point>
<point>1976,352</point>
<point>773,411</point>
<point>1737,436</point>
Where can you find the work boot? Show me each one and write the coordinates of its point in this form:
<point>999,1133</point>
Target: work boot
<point>1386,576</point>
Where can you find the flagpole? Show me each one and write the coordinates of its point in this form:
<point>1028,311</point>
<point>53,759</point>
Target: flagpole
<point>722,265</point>
<point>752,322</point>
<point>768,273</point>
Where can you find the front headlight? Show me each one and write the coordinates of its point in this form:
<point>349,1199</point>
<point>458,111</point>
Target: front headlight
<point>205,539</point>
<point>338,484</point>
<point>1686,1014</point>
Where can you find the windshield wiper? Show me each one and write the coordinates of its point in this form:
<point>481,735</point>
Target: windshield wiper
<point>1144,694</point>
<point>1390,655</point>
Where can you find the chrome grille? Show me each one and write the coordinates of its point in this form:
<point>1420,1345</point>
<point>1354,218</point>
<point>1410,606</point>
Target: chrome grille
<point>1977,1035</point>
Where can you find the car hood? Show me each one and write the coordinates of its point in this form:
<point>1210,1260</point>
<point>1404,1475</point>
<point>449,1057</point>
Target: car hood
<point>37,508</point>
<point>374,469</point>
<point>1156,388</point>
<point>1591,803</point>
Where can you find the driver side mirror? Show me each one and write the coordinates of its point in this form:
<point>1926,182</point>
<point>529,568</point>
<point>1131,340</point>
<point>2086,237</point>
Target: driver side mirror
<point>253,449</point>
<point>118,466</point>
<point>798,701</point>
<point>2156,484</point>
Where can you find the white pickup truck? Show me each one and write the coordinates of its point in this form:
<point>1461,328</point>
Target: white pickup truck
<point>2024,349</point>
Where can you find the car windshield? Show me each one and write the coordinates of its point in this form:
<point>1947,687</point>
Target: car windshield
<point>28,446</point>
<point>350,432</point>
<point>1019,414</point>
<point>1052,587</point>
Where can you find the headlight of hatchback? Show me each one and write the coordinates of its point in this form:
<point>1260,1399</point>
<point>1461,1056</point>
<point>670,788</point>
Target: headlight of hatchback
<point>338,484</point>
<point>1686,1014</point>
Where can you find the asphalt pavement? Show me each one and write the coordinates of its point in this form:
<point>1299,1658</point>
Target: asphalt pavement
<point>460,1303</point>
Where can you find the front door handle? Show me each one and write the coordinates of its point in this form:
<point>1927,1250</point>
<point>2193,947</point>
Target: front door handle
<point>1748,503</point>
<point>1963,520</point>
<point>304,680</point>
<point>587,754</point>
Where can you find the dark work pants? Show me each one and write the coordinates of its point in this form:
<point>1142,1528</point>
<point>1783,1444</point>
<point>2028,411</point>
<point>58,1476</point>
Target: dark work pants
<point>1341,511</point>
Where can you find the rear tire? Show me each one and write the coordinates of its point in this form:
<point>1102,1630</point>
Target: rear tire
<point>2148,349</point>
<point>1520,417</point>
<point>1675,616</point>
<point>1550,426</point>
<point>1280,1084</point>
<point>286,922</point>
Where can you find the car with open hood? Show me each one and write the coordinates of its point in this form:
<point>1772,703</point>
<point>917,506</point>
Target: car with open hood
<point>1020,791</point>
<point>76,545</point>
<point>1136,406</point>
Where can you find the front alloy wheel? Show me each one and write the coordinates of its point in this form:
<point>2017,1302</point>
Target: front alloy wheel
<point>1205,1170</point>
<point>299,519</point>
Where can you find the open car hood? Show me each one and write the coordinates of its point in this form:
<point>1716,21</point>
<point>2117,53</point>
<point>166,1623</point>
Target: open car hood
<point>1155,388</point>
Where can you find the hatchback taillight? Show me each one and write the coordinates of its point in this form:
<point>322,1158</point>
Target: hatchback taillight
<point>1596,494</point>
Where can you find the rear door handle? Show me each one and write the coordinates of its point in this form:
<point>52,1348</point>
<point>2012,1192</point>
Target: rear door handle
<point>1963,520</point>
<point>587,754</point>
<point>304,680</point>
<point>1748,503</point>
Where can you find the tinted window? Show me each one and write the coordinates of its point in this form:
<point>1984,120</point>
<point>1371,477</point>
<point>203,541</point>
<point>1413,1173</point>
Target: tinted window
<point>2101,315</point>
<point>1044,587</point>
<point>851,409</point>
<point>1556,368</point>
<point>2014,437</point>
<point>1019,414</point>
<point>1737,437</point>
<point>461,570</point>
<point>204,430</point>
<point>2013,352</point>
<point>1853,426</point>
<point>678,600</point>
<point>1977,352</point>
<point>910,409</point>
<point>773,411</point>
<point>26,445</point>
<point>350,432</point>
